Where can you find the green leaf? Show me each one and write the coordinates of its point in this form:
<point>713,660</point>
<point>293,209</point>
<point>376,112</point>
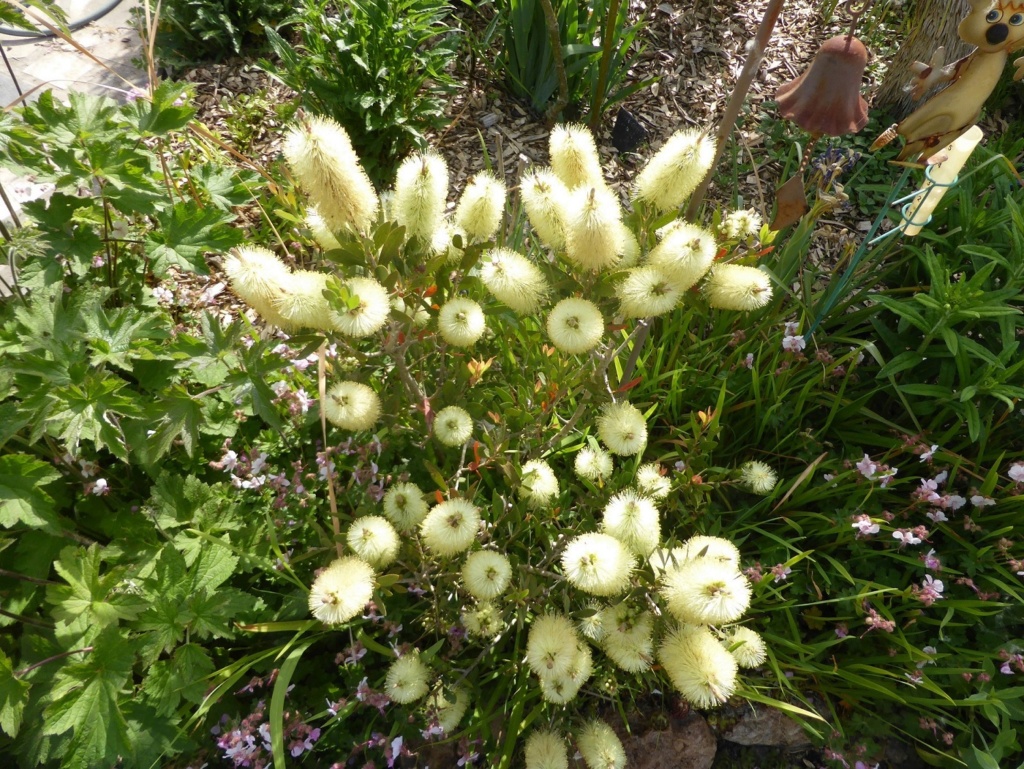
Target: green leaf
<point>180,677</point>
<point>13,695</point>
<point>85,701</point>
<point>185,233</point>
<point>284,678</point>
<point>22,499</point>
<point>90,601</point>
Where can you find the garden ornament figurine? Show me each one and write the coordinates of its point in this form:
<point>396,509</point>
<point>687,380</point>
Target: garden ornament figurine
<point>996,27</point>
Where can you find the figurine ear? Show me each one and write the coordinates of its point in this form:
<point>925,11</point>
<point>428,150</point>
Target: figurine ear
<point>980,5</point>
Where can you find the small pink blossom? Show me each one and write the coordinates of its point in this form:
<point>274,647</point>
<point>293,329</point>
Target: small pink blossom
<point>937,516</point>
<point>793,343</point>
<point>931,561</point>
<point>781,572</point>
<point>926,456</point>
<point>906,537</point>
<point>1016,472</point>
<point>864,525</point>
<point>867,467</point>
<point>982,501</point>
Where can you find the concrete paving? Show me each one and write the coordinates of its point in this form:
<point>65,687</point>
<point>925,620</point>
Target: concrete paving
<point>40,63</point>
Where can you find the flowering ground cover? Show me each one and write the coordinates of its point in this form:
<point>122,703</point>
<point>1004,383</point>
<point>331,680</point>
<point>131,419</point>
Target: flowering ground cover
<point>470,473</point>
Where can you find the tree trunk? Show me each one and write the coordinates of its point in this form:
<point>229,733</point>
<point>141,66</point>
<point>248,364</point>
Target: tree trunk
<point>932,24</point>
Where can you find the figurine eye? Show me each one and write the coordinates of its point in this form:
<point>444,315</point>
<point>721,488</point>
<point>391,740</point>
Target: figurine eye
<point>1017,19</point>
<point>993,16</point>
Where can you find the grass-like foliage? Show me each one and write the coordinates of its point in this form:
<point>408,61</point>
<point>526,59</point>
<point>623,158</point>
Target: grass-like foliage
<point>471,482</point>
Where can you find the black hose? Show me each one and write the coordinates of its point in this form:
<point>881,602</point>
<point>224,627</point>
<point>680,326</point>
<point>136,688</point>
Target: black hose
<point>43,33</point>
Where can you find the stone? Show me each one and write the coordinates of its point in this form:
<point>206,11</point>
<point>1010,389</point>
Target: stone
<point>761,725</point>
<point>686,744</point>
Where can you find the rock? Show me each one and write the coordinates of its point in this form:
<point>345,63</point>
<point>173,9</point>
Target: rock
<point>686,744</point>
<point>767,726</point>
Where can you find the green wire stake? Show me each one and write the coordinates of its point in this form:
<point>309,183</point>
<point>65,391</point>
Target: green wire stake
<point>839,287</point>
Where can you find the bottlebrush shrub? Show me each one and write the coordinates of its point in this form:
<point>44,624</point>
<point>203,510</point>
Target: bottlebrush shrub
<point>482,366</point>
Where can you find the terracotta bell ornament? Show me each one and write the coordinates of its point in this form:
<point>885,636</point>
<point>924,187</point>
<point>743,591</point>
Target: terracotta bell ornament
<point>824,101</point>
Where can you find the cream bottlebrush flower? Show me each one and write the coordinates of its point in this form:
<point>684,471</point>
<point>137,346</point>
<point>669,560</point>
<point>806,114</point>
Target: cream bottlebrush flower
<point>407,679</point>
<point>513,280</point>
<point>684,255</point>
<point>405,506</point>
<point>716,549</point>
<point>698,665</point>
<point>484,621</point>
<point>592,625</point>
<point>628,637</point>
<point>421,191</point>
<point>301,302</point>
<point>630,249</point>
<point>486,574</point>
<point>371,312</point>
<point>593,464</point>
<point>633,520</point>
<point>740,225</point>
<point>561,690</point>
<point>758,477</point>
<point>538,484</point>
<point>671,176</point>
<point>546,750</point>
<point>374,540</point>
<point>705,592</point>
<point>746,646</point>
<point>593,231</point>
<point>257,277</point>
<point>450,527</point>
<point>735,287</point>
<point>646,292</point>
<point>449,712</point>
<point>320,153</point>
<point>352,406</point>
<point>453,426</point>
<point>321,232</point>
<point>552,646</point>
<point>650,481</point>
<point>621,427</point>
<point>340,591</point>
<point>481,206</point>
<point>575,326</point>
<point>600,747</point>
<point>461,322</point>
<point>546,200</point>
<point>574,157</point>
<point>598,564</point>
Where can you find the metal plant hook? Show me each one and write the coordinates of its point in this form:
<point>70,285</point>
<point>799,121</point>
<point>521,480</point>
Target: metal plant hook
<point>856,9</point>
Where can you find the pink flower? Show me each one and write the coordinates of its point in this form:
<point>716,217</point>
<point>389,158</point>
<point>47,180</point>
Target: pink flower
<point>781,572</point>
<point>867,468</point>
<point>927,455</point>
<point>1016,472</point>
<point>793,343</point>
<point>937,516</point>
<point>931,561</point>
<point>906,537</point>
<point>930,590</point>
<point>864,525</point>
<point>981,501</point>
